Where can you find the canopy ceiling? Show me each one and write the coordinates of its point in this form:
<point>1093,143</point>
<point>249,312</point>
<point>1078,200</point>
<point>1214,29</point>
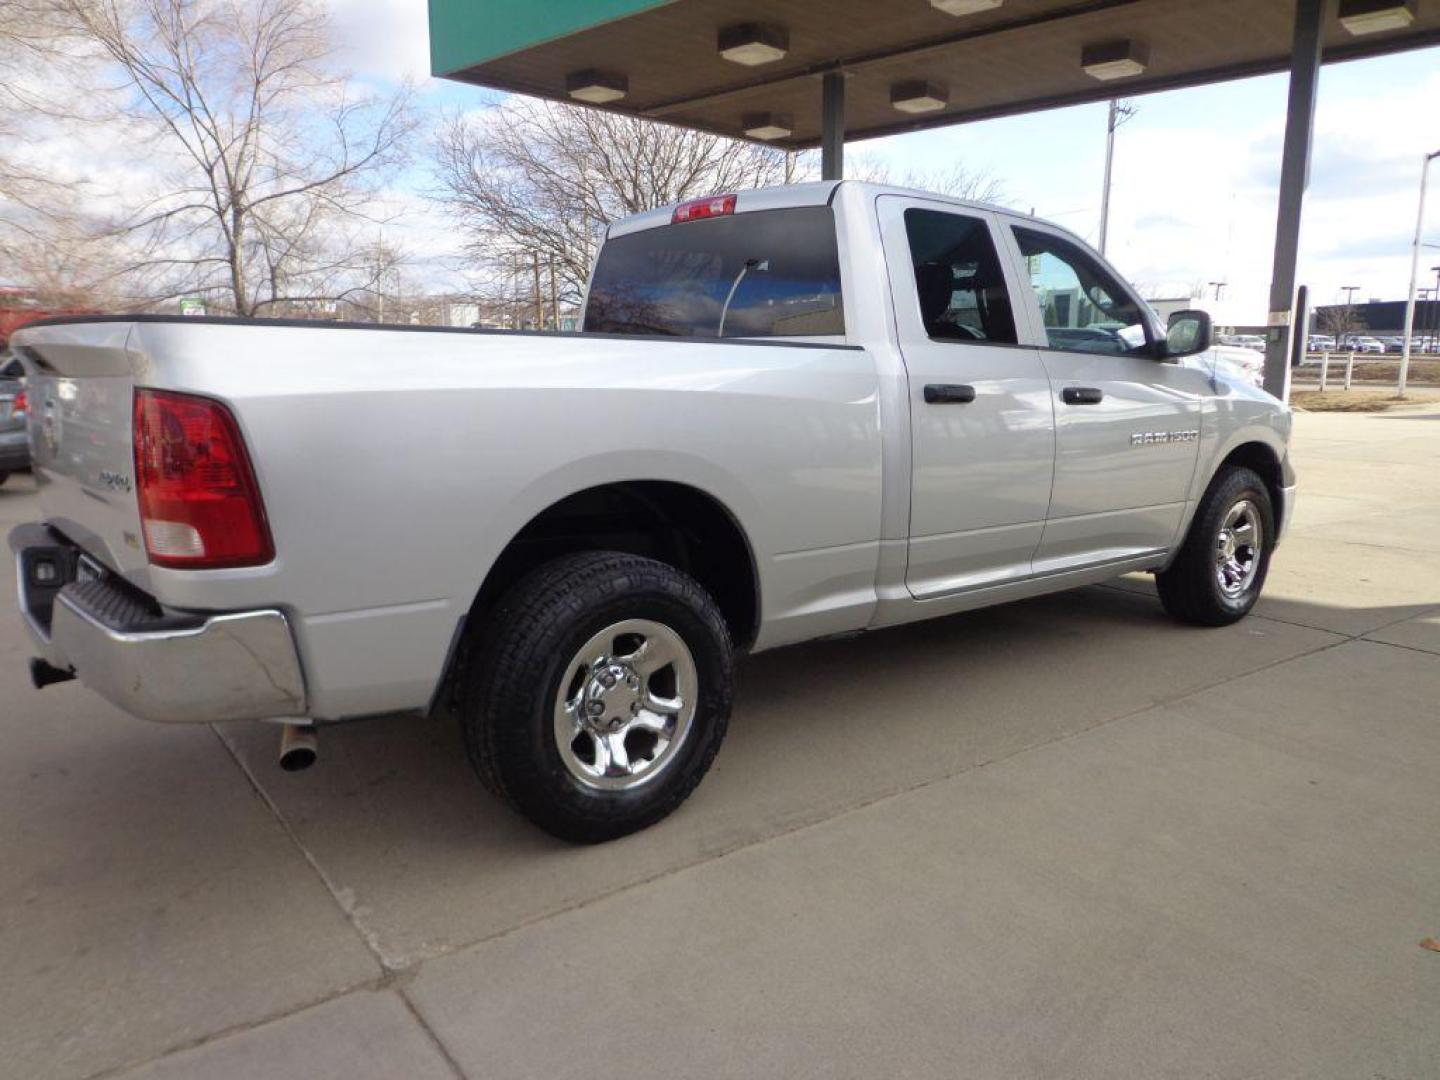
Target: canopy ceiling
<point>1018,57</point>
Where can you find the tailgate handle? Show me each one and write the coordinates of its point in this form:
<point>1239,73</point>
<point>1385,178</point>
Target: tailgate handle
<point>949,394</point>
<point>1082,395</point>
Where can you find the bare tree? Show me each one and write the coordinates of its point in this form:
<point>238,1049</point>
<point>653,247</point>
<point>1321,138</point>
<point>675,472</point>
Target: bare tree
<point>273,161</point>
<point>531,179</point>
<point>957,181</point>
<point>1338,320</point>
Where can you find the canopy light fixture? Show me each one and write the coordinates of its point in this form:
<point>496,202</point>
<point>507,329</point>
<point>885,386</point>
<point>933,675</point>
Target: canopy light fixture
<point>764,125</point>
<point>1120,59</point>
<point>753,44</point>
<point>596,87</point>
<point>918,96</point>
<point>1373,16</point>
<point>965,7</point>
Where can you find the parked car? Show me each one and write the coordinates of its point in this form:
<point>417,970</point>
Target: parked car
<point>857,406</point>
<point>1320,343</point>
<point>14,446</point>
<point>1362,344</point>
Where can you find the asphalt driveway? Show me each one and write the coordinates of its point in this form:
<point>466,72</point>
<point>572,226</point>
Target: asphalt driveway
<point>1063,838</point>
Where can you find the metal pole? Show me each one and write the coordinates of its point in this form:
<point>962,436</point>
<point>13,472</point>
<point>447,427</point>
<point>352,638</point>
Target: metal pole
<point>1414,272</point>
<point>1109,166</point>
<point>832,126</point>
<point>539,303</point>
<point>1294,177</point>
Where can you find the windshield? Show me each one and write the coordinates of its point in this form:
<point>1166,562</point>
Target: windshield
<point>770,273</point>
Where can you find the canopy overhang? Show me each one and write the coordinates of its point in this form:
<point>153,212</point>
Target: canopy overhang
<point>1017,57</point>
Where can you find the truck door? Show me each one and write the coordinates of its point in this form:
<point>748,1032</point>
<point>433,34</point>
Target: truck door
<point>982,425</point>
<point>1127,428</point>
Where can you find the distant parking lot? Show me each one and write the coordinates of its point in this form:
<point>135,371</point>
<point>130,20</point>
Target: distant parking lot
<point>1062,838</point>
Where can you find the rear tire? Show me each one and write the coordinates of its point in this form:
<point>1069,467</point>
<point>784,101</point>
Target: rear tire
<point>598,694</point>
<point>1217,576</point>
<point>3,476</point>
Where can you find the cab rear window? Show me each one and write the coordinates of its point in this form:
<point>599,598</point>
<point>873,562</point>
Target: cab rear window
<point>769,273</point>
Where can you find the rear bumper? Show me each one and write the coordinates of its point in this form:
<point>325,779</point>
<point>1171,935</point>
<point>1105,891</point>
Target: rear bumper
<point>154,662</point>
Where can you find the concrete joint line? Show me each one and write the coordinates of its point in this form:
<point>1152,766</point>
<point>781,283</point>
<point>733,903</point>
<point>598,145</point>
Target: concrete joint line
<point>343,897</point>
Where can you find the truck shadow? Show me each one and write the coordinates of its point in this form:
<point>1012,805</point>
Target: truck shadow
<point>393,811</point>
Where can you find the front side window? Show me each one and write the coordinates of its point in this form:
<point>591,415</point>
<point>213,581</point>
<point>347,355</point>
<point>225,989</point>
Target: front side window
<point>958,278</point>
<point>1083,306</point>
<point>768,273</point>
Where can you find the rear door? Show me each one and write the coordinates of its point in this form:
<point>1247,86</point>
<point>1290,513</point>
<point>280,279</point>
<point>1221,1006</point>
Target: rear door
<point>1127,426</point>
<point>981,420</point>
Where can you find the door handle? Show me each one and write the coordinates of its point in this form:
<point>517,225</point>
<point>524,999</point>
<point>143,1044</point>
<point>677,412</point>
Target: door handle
<point>949,394</point>
<point>1082,395</point>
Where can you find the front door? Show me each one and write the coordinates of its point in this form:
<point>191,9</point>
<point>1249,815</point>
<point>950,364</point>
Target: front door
<point>982,426</point>
<point>1127,425</point>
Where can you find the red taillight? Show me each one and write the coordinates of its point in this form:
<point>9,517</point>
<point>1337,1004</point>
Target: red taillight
<point>713,206</point>
<point>199,504</point>
<point>20,405</point>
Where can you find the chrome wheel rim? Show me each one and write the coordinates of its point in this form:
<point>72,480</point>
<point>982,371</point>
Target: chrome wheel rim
<point>1238,548</point>
<point>625,705</point>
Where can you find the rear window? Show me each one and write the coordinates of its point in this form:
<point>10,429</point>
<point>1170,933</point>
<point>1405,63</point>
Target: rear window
<point>771,273</point>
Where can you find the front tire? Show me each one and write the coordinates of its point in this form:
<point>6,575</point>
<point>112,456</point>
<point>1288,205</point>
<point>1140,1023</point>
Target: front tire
<point>1217,576</point>
<point>599,694</point>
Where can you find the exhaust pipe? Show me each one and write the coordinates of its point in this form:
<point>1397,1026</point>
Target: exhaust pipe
<point>299,747</point>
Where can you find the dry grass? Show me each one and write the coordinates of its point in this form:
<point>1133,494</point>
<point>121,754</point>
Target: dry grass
<point>1361,401</point>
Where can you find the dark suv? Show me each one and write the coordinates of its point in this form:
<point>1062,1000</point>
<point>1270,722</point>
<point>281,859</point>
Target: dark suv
<point>14,447</point>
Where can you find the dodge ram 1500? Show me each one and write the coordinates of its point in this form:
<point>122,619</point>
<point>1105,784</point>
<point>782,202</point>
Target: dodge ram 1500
<point>791,413</point>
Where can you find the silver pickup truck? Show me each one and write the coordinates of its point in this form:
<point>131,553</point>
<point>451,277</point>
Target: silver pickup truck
<point>792,413</point>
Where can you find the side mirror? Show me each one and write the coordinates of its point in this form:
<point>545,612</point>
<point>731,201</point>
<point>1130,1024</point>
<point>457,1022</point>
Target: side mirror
<point>1188,333</point>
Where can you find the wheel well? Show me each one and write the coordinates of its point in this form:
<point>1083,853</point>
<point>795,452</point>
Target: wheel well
<point>1264,461</point>
<point>670,522</point>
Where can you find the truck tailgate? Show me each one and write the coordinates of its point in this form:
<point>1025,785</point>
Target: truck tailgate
<point>81,389</point>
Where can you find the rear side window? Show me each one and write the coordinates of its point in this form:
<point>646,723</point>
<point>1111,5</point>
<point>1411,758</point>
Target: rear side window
<point>771,273</point>
<point>958,278</point>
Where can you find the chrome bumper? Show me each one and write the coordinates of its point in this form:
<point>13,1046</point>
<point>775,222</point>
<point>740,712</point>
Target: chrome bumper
<point>155,663</point>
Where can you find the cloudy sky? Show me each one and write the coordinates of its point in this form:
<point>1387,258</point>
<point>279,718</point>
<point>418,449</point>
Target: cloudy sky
<point>1196,170</point>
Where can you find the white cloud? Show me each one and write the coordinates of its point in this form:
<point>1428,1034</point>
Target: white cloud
<point>382,39</point>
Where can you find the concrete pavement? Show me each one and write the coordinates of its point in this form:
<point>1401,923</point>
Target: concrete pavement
<point>1061,838</point>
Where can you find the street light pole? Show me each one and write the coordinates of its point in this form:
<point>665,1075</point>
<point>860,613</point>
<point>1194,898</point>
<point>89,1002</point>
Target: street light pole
<point>1414,272</point>
<point>1435,337</point>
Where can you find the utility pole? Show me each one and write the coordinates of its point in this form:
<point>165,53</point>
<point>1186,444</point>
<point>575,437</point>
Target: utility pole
<point>539,305</point>
<point>1414,271</point>
<point>1218,286</point>
<point>1120,111</point>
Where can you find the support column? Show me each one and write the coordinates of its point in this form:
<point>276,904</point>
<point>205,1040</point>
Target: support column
<point>832,126</point>
<point>1294,178</point>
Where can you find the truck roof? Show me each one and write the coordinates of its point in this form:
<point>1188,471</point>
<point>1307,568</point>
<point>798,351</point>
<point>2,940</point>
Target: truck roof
<point>785,196</point>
